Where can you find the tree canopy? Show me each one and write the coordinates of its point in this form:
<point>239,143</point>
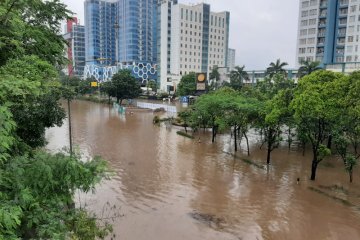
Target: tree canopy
<point>123,86</point>
<point>187,85</point>
<point>36,187</point>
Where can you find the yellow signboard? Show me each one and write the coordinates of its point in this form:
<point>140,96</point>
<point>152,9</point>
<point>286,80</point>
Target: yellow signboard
<point>94,84</point>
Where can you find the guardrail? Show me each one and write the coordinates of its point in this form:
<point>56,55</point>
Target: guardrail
<point>153,106</point>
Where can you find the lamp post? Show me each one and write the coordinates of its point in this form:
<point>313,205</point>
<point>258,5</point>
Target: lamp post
<point>69,105</point>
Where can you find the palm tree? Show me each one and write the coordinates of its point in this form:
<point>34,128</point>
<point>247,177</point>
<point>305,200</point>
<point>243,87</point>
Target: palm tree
<point>237,76</point>
<point>308,67</point>
<point>214,77</point>
<point>276,67</point>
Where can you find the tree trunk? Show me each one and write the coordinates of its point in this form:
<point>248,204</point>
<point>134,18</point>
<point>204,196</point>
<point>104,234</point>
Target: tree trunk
<point>329,144</point>
<point>268,156</point>
<point>270,142</point>
<point>213,134</point>
<point>185,128</point>
<point>120,102</point>
<point>289,138</point>
<point>313,169</point>
<point>117,99</point>
<point>247,144</point>
<point>351,175</point>
<point>235,138</point>
<point>109,100</point>
<point>303,148</point>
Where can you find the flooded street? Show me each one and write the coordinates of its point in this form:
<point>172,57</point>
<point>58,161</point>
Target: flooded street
<point>167,187</point>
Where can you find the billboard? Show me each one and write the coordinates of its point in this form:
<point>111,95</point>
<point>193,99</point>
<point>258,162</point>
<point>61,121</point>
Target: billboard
<point>201,81</point>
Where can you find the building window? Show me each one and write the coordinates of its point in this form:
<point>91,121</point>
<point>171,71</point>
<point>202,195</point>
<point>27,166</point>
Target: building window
<point>304,13</point>
<point>312,21</point>
<point>305,4</point>
<point>303,32</point>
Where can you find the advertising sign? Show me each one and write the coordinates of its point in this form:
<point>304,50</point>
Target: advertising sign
<point>201,81</point>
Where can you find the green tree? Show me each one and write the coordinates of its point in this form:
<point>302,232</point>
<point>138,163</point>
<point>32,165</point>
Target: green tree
<point>240,114</point>
<point>108,88</point>
<point>32,27</point>
<point>30,86</point>
<point>36,197</point>
<point>276,67</point>
<point>151,84</point>
<point>347,130</point>
<point>274,93</point>
<point>125,86</point>
<point>85,86</point>
<point>209,109</point>
<point>36,188</point>
<point>316,109</point>
<point>307,67</point>
<point>214,78</point>
<point>237,77</point>
<point>187,85</point>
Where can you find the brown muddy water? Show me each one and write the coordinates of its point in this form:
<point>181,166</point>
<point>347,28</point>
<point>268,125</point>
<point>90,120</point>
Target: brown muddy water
<point>167,187</point>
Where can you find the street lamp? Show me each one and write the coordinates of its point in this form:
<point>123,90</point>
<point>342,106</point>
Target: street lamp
<point>69,105</point>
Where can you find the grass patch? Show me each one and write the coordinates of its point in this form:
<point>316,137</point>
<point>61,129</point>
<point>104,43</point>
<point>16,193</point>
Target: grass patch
<point>252,163</point>
<point>184,134</point>
<point>343,201</point>
<point>93,99</point>
<point>335,188</point>
<point>248,161</point>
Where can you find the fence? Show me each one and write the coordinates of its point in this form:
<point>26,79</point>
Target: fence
<point>153,106</point>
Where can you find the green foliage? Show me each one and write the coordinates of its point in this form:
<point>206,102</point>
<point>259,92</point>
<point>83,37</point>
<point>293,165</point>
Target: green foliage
<point>187,85</point>
<point>123,86</point>
<point>84,86</point>
<point>30,87</point>
<point>307,68</point>
<point>237,77</point>
<point>316,108</point>
<point>7,127</point>
<point>38,191</point>
<point>276,68</point>
<point>37,188</point>
<point>32,27</point>
<point>152,84</point>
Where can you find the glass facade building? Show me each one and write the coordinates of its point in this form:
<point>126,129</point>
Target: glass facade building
<point>75,36</point>
<point>121,31</point>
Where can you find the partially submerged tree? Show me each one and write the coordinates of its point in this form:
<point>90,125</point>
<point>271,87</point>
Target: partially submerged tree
<point>124,86</point>
<point>316,108</point>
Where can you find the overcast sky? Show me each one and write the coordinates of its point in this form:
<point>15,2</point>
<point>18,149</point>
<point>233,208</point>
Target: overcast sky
<point>261,31</point>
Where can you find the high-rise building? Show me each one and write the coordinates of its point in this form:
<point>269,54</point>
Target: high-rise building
<point>191,38</point>
<point>75,36</point>
<point>121,31</point>
<point>231,59</point>
<point>328,31</point>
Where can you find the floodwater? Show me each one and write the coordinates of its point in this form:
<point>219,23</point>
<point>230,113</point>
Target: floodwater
<point>167,187</point>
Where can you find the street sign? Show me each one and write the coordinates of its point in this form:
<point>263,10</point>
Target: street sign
<point>94,84</point>
<point>201,82</point>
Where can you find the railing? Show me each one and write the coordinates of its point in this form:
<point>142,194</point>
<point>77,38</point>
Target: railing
<point>153,106</point>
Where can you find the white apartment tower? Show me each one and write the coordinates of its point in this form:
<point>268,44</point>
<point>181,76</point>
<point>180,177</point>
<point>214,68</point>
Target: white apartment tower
<point>231,59</point>
<point>328,31</point>
<point>191,39</point>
